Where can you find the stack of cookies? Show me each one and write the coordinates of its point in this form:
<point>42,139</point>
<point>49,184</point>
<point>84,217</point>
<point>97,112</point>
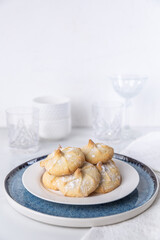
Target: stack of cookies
<point>78,172</point>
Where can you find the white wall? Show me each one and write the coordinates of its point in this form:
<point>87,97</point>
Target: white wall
<point>69,47</point>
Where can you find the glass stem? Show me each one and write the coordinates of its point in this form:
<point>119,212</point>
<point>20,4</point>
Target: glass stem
<point>126,106</point>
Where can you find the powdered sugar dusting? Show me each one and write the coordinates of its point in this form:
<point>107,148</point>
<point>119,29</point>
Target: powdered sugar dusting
<point>72,184</point>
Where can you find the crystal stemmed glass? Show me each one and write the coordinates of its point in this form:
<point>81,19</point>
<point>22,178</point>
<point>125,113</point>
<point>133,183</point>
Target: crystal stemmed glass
<point>128,86</point>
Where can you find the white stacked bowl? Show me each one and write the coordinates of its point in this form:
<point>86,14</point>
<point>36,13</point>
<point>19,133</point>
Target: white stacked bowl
<point>54,116</point>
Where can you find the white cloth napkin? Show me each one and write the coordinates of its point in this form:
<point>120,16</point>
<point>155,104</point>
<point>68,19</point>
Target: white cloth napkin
<point>146,149</point>
<point>146,226</point>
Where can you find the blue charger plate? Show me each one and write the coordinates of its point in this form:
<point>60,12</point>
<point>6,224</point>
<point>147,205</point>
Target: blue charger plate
<point>80,215</point>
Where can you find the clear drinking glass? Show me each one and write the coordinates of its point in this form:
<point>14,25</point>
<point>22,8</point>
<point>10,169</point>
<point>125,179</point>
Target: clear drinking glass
<point>107,120</point>
<point>128,86</point>
<point>23,128</point>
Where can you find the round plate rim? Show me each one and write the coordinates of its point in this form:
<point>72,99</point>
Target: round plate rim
<point>77,222</point>
<point>81,201</point>
<point>81,222</point>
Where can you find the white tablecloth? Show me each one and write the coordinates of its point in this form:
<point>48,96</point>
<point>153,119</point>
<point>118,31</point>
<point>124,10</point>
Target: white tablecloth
<point>16,226</point>
<point>146,226</point>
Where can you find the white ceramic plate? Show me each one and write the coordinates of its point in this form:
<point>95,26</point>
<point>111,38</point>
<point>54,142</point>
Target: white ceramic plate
<point>32,182</point>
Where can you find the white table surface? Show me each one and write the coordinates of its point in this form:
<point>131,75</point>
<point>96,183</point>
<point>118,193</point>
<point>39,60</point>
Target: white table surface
<point>16,226</point>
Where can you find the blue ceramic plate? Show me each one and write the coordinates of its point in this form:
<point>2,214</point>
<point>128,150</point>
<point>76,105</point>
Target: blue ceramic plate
<point>82,216</point>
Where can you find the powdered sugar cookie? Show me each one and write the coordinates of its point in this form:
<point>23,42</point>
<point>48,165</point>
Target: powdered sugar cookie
<point>80,184</point>
<point>49,181</point>
<point>110,177</point>
<point>63,161</point>
<point>97,152</point>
